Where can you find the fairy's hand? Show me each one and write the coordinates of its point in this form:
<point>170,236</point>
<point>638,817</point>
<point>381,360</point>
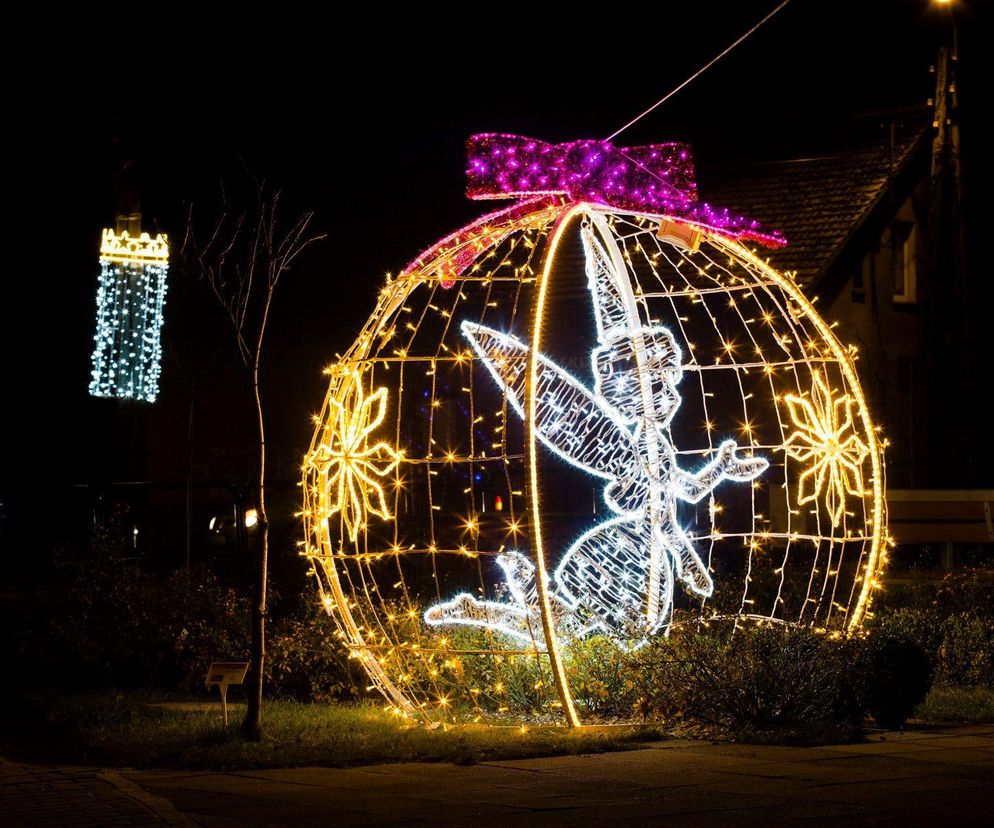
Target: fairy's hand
<point>740,468</point>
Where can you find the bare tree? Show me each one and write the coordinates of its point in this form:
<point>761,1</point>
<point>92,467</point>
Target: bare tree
<point>244,256</point>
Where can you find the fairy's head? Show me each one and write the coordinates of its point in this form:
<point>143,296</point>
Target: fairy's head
<point>637,374</point>
<point>637,367</point>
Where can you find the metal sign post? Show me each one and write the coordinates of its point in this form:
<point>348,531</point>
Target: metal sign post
<point>222,674</point>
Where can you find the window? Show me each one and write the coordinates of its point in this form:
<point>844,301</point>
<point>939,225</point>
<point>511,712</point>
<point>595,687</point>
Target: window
<point>859,278</point>
<point>905,262</point>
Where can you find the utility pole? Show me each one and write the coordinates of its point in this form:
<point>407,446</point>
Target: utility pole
<point>946,305</point>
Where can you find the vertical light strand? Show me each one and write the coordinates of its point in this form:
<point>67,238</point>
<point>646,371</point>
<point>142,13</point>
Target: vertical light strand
<point>541,577</point>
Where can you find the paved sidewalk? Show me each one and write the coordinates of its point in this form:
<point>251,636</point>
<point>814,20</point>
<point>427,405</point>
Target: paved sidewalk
<point>62,795</point>
<point>906,779</point>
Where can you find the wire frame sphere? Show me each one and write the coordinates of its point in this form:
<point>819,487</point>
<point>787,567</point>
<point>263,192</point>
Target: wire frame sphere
<point>569,428</point>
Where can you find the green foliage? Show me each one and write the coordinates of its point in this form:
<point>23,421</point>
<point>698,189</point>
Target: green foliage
<point>966,654</point>
<point>772,678</point>
<point>602,678</point>
<point>952,621</point>
<point>913,623</point>
<point>114,625</point>
<point>750,680</point>
<point>306,660</point>
<point>968,589</point>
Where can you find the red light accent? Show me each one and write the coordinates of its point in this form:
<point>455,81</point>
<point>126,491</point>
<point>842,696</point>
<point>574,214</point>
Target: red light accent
<point>498,503</point>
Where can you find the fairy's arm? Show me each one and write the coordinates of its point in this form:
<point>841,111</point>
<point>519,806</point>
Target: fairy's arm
<point>693,486</point>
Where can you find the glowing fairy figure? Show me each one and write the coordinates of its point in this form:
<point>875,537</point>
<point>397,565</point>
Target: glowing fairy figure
<point>617,577</point>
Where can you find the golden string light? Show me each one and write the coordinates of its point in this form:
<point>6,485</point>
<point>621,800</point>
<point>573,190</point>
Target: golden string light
<point>349,467</point>
<point>826,444</point>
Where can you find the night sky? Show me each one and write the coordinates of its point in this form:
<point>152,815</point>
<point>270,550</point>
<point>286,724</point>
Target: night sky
<point>374,145</point>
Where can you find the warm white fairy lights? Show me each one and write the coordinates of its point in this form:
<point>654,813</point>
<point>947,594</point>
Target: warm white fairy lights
<point>706,485</point>
<point>130,297</point>
<point>350,468</point>
<point>827,445</point>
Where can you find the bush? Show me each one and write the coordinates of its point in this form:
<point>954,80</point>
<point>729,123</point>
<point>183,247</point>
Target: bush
<point>896,676</point>
<point>772,678</point>
<point>603,678</point>
<point>967,589</point>
<point>966,652</point>
<point>115,625</point>
<point>913,623</point>
<point>970,589</point>
<point>741,682</point>
<point>959,646</point>
<point>306,659</point>
<point>112,624</point>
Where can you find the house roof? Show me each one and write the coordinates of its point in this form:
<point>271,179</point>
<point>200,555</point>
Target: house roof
<point>818,203</point>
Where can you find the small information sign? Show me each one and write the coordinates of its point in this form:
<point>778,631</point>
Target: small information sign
<point>222,674</point>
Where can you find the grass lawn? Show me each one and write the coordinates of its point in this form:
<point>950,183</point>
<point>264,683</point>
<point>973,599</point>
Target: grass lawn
<point>140,729</point>
<point>144,730</point>
<point>972,705</point>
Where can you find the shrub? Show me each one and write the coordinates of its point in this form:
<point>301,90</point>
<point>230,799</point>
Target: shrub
<point>959,646</point>
<point>746,681</point>
<point>306,659</point>
<point>603,677</point>
<point>115,625</point>
<point>966,652</point>
<point>916,624</point>
<point>970,589</point>
<point>772,678</point>
<point>896,676</point>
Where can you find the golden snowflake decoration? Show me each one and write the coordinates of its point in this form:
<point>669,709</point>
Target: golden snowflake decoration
<point>827,443</point>
<point>351,469</point>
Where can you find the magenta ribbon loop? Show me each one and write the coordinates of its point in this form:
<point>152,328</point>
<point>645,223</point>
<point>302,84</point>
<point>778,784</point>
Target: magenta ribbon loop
<point>656,179</point>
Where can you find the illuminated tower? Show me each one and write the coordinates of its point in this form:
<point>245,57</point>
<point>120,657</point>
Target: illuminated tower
<point>130,296</point>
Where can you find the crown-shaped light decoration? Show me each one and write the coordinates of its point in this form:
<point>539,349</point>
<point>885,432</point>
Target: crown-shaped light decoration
<point>121,247</point>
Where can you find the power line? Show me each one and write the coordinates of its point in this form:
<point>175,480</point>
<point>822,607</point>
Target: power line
<point>696,74</point>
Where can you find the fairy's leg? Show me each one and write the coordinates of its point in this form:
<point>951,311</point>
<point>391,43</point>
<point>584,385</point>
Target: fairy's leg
<point>689,566</point>
<point>509,619</point>
<point>664,615</point>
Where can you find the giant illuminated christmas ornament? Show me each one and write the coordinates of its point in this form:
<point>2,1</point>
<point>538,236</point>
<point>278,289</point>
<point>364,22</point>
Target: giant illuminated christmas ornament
<point>574,421</point>
<point>130,295</point>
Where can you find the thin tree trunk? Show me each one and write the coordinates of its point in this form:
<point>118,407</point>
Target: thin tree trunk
<point>241,264</point>
<point>189,484</point>
<point>253,715</point>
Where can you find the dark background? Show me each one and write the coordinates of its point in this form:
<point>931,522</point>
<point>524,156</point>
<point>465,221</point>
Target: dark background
<point>365,124</point>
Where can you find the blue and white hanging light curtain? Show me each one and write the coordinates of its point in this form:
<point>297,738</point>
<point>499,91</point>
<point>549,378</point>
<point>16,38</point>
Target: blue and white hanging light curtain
<point>130,297</point>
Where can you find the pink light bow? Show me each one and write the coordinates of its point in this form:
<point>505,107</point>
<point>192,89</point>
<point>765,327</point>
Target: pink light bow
<point>656,179</point>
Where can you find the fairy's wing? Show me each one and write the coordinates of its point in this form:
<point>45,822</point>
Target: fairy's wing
<point>568,418</point>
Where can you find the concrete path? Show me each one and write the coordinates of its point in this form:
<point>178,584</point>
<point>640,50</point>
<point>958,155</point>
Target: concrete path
<point>943,777</point>
<point>64,795</point>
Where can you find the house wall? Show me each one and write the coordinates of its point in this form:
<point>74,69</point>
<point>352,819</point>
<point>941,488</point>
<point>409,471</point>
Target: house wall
<point>891,335</point>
